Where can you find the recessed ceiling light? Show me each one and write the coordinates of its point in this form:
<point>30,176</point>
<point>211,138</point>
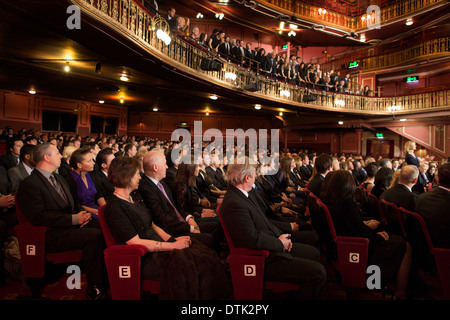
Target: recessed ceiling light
<point>122,100</point>
<point>341,122</point>
<point>402,119</point>
<point>67,67</point>
<point>409,21</point>
<point>32,92</point>
<point>124,77</point>
<point>257,106</point>
<point>281,114</point>
<point>155,109</point>
<point>213,97</point>
<point>101,101</point>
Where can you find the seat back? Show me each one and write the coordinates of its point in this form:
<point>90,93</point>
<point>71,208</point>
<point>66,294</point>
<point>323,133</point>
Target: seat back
<point>32,248</point>
<point>394,218</point>
<point>441,255</point>
<point>351,253</point>
<point>123,264</point>
<point>109,239</point>
<point>246,266</point>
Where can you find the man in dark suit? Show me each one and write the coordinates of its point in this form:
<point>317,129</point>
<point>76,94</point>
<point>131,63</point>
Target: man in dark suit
<point>401,195</point>
<point>434,206</point>
<point>250,228</point>
<point>173,23</point>
<point>100,176</point>
<point>45,200</point>
<point>323,165</point>
<point>11,158</point>
<point>18,173</point>
<point>225,47</point>
<point>158,198</point>
<point>305,173</point>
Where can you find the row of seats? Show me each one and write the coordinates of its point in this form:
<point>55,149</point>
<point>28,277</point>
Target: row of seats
<point>348,255</point>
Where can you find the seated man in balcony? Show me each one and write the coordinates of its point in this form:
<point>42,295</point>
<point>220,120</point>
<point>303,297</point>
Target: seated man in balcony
<point>250,228</point>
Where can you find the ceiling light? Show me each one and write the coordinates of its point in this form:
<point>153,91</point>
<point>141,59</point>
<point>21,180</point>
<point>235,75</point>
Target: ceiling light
<point>363,17</point>
<point>124,77</point>
<point>362,38</point>
<point>341,122</point>
<point>32,92</point>
<point>409,21</point>
<point>403,119</point>
<point>122,100</point>
<point>282,25</point>
<point>281,114</point>
<point>155,109</point>
<point>101,101</point>
<point>219,16</point>
<point>257,106</point>
<point>67,67</point>
<point>339,102</point>
<point>207,113</point>
<point>199,15</point>
<point>213,97</point>
<point>293,26</point>
<point>291,33</point>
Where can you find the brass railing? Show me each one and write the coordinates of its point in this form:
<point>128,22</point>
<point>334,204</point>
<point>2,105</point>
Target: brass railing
<point>387,13</point>
<point>422,51</point>
<point>128,17</point>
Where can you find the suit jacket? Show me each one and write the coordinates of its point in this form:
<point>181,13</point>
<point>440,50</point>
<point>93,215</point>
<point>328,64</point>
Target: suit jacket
<point>216,177</point>
<point>42,205</point>
<point>225,48</point>
<point>305,173</point>
<point>4,184</point>
<point>8,160</point>
<point>104,187</point>
<point>248,226</point>
<point>315,184</point>
<point>162,212</point>
<point>15,176</point>
<point>400,196</point>
<point>433,207</point>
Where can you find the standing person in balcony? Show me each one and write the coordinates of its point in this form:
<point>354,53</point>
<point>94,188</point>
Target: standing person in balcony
<point>170,17</point>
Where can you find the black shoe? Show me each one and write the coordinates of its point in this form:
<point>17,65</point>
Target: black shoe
<point>95,293</point>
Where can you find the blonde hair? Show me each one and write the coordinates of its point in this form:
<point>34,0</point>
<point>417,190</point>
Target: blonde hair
<point>408,145</point>
<point>67,152</point>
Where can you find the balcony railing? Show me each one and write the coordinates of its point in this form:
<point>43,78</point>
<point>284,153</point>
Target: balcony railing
<point>134,21</point>
<point>349,19</point>
<point>422,51</point>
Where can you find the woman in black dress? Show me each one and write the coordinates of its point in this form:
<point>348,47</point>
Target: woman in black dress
<point>186,268</point>
<point>391,253</point>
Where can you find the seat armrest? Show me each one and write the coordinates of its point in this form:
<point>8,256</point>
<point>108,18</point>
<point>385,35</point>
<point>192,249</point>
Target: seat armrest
<point>131,249</point>
<point>250,252</point>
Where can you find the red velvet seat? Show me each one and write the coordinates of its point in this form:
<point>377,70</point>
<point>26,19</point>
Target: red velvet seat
<point>441,255</point>
<point>247,271</point>
<point>348,254</point>
<point>32,251</point>
<point>394,218</point>
<point>123,264</point>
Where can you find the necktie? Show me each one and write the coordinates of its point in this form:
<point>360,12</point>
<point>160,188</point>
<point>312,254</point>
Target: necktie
<point>58,187</point>
<point>160,186</point>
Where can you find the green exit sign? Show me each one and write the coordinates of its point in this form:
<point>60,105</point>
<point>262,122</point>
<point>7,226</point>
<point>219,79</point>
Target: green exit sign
<point>353,64</point>
<point>379,135</point>
<point>412,79</point>
<point>184,123</point>
<point>285,46</point>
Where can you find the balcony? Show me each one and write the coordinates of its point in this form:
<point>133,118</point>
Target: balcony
<point>131,19</point>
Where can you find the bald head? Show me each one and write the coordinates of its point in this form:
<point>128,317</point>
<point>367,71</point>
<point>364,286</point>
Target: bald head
<point>154,165</point>
<point>408,175</point>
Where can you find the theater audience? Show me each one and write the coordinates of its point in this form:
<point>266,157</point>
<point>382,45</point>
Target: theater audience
<point>388,251</point>
<point>249,228</point>
<point>45,200</point>
<point>100,176</point>
<point>323,165</point>
<point>371,170</point>
<point>434,206</point>
<point>187,269</point>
